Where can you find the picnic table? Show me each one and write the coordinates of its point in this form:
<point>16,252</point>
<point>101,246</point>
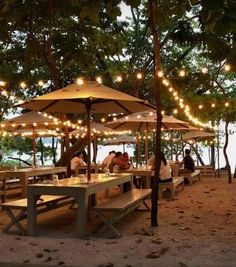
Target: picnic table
<point>24,173</point>
<point>77,187</point>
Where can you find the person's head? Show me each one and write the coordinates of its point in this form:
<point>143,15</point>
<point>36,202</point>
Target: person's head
<point>163,159</point>
<point>79,154</point>
<point>125,155</point>
<point>118,154</point>
<point>112,152</point>
<point>187,152</point>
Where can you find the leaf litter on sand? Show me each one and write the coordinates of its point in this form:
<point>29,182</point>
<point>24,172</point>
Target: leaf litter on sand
<point>146,232</point>
<point>157,254</point>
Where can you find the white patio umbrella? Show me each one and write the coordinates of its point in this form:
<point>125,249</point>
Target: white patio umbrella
<point>88,97</point>
<point>123,139</point>
<point>30,124</point>
<point>197,135</point>
<point>146,121</point>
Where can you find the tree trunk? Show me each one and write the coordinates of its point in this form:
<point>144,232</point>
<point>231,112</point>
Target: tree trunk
<point>41,151</point>
<point>157,91</point>
<point>197,154</point>
<point>225,147</point>
<point>53,151</point>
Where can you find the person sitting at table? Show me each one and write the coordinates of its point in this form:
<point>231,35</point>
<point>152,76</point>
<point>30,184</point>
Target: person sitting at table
<point>189,165</point>
<point>108,158</point>
<point>126,159</point>
<point>76,162</point>
<point>117,163</point>
<point>165,170</point>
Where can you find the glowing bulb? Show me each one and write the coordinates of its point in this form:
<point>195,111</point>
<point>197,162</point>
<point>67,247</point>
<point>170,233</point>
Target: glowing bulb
<point>114,119</point>
<point>204,70</point>
<point>139,75</point>
<point>126,117</point>
<point>103,120</point>
<point>138,117</point>
<point>119,78</point>
<point>2,83</point>
<point>163,112</point>
<point>175,111</point>
<point>227,67</point>
<point>160,74</point>
<point>79,81</point>
<point>41,83</point>
<point>200,106</point>
<point>99,79</point>
<point>182,73</point>
<point>151,113</point>
<point>226,104</point>
<point>171,89</point>
<point>213,105</point>
<point>23,85</point>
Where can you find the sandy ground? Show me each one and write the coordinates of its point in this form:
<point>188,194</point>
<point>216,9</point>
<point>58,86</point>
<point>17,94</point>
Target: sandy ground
<point>196,229</point>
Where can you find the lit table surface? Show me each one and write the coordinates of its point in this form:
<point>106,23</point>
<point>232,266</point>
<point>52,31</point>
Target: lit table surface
<point>78,188</point>
<point>24,173</point>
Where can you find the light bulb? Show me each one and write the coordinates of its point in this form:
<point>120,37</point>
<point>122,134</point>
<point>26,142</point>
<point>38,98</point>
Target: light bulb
<point>79,81</point>
<point>139,75</point>
<point>119,78</point>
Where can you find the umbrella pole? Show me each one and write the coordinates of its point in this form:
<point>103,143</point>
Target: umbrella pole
<point>34,147</point>
<point>218,153</point>
<point>88,107</point>
<point>146,144</point>
<point>123,147</point>
<point>171,145</point>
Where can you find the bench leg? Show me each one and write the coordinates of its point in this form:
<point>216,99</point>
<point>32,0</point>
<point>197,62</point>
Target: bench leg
<point>109,225</point>
<point>172,189</point>
<point>15,221</point>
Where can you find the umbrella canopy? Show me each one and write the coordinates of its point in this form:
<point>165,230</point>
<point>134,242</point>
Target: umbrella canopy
<point>122,140</point>
<point>91,96</point>
<point>87,97</point>
<point>96,129</point>
<point>146,121</point>
<point>29,120</point>
<point>30,124</point>
<point>197,135</point>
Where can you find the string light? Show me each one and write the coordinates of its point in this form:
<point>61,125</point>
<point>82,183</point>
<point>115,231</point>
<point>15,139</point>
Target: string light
<point>204,70</point>
<point>200,106</point>
<point>139,75</point>
<point>119,78</point>
<point>2,83</point>
<point>23,85</point>
<point>40,83</point>
<point>213,105</point>
<point>99,79</point>
<point>227,104</point>
<point>182,73</point>
<point>227,67</point>
<point>160,73</point>
<point>79,81</point>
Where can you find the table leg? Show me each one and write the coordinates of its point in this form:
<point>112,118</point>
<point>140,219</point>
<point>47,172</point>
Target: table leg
<point>82,214</point>
<point>32,213</point>
<point>24,184</point>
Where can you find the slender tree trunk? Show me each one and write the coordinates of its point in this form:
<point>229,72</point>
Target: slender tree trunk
<point>157,90</point>
<point>41,151</point>
<point>225,147</point>
<point>53,151</point>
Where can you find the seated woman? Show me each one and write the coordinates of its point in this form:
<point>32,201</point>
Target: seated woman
<point>165,170</point>
<point>76,162</point>
<point>126,159</point>
<point>117,163</point>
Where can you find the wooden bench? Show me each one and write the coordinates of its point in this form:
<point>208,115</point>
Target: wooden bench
<point>121,206</point>
<point>192,176</point>
<point>179,180</point>
<point>207,170</point>
<point>45,203</point>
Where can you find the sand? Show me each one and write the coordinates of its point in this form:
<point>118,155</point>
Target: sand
<point>196,229</point>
